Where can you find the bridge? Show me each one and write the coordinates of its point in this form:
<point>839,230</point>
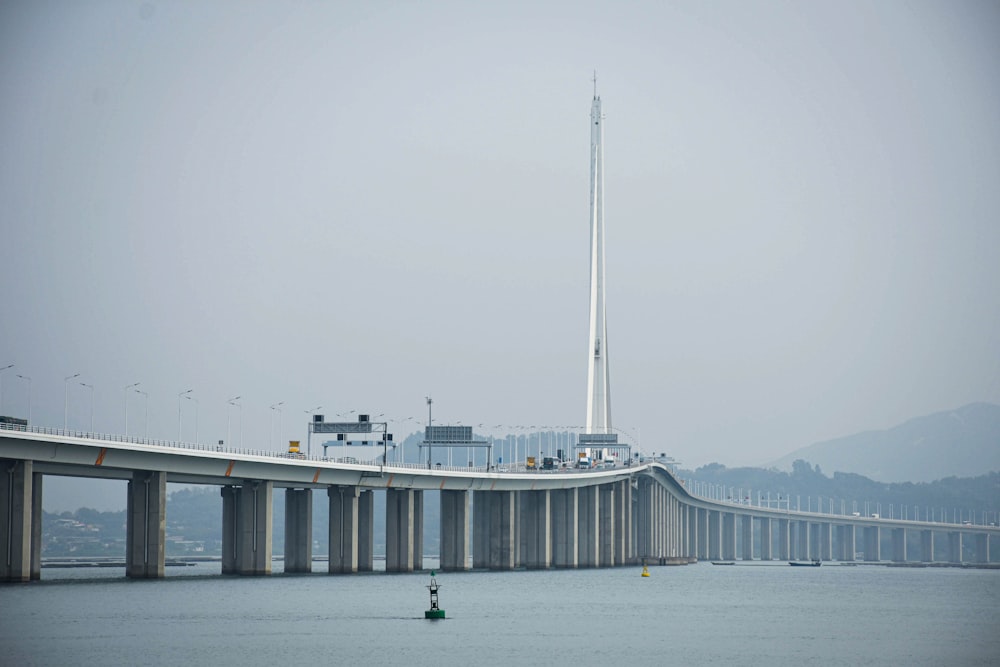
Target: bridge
<point>538,519</point>
<point>532,519</point>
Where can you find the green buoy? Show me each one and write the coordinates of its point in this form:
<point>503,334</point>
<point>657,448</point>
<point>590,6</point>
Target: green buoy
<point>434,611</point>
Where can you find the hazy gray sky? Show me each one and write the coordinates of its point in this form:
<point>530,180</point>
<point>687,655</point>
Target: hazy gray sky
<point>357,205</point>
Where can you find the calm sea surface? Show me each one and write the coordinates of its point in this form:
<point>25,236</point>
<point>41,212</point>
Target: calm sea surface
<point>762,614</point>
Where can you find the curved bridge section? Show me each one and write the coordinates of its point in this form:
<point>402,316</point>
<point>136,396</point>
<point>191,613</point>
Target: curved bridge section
<point>489,519</point>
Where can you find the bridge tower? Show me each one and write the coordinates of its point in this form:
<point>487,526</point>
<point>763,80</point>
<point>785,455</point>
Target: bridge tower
<point>598,385</point>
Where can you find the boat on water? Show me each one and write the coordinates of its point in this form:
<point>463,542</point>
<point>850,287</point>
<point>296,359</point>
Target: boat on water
<point>723,562</point>
<point>804,563</point>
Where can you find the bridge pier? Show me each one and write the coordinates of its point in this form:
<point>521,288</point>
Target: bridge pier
<point>728,536</point>
<point>702,533</point>
<point>804,541</point>
<point>298,530</point>
<point>589,502</point>
<point>747,521</point>
<point>873,544</point>
<point>714,535</point>
<point>607,555</point>
<point>848,547</point>
<point>536,513</point>
<point>622,523</point>
<point>454,530</point>
<point>927,546</point>
<point>145,525</point>
<point>565,544</point>
<point>899,545</point>
<point>825,541</point>
<point>403,530</point>
<point>16,521</point>
<point>784,539</point>
<point>247,520</point>
<point>765,538</point>
<point>955,547</point>
<point>982,547</point>
<point>344,536</point>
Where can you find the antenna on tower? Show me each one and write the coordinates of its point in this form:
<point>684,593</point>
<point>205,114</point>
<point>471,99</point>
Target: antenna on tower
<point>595,84</point>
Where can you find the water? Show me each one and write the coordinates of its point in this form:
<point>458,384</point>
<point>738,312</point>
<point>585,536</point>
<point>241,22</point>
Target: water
<point>760,614</point>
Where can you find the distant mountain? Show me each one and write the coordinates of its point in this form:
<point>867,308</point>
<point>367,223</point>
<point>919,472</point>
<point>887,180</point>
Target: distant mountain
<point>957,443</point>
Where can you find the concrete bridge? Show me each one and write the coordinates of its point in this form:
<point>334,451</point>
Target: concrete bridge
<point>537,519</point>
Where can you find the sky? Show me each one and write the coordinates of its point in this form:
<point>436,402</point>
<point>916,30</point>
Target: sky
<point>357,205</point>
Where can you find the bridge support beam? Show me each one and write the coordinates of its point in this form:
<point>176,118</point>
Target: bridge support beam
<point>589,531</point>
<point>403,530</point>
<point>848,547</point>
<point>16,479</point>
<point>785,544</point>
<point>622,523</point>
<point>714,535</point>
<point>702,534</point>
<point>298,530</point>
<point>899,545</point>
<point>825,541</point>
<point>927,546</point>
<point>247,520</point>
<point>454,530</point>
<point>366,531</point>
<point>747,521</point>
<point>536,508</point>
<point>982,547</point>
<point>728,536</point>
<point>873,544</point>
<point>565,545</point>
<point>765,538</point>
<point>955,547</point>
<point>606,525</point>
<point>36,526</point>
<point>145,525</point>
<point>804,541</point>
<point>344,537</point>
<point>502,542</point>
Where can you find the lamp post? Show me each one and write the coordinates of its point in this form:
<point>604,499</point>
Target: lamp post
<point>192,398</point>
<point>179,396</point>
<point>309,427</point>
<point>131,386</point>
<point>25,377</point>
<point>66,401</point>
<point>229,417</point>
<point>270,433</point>
<point>7,367</point>
<point>145,416</point>
<point>91,388</point>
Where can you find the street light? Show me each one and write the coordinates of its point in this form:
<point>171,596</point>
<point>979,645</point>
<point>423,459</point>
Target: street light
<point>276,406</point>
<point>131,386</point>
<point>309,427</point>
<point>191,398</point>
<point>179,412</point>
<point>229,418</point>
<point>145,419</point>
<point>8,366</point>
<point>66,401</point>
<point>91,388</point>
<point>25,377</point>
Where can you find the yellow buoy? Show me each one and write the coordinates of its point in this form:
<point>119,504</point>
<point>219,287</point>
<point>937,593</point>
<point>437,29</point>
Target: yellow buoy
<point>645,571</point>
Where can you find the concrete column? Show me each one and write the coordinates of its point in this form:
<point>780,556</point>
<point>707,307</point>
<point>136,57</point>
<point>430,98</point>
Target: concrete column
<point>501,531</point>
<point>454,530</point>
<point>847,543</point>
<point>399,530</point>
<point>982,547</point>
<point>298,530</point>
<point>728,536</point>
<point>565,524</point>
<point>481,529</point>
<point>418,530</point>
<point>927,546</point>
<point>804,541</point>
<point>229,502</point>
<point>955,547</point>
<point>537,528</point>
<point>825,541</point>
<point>606,525</point>
<point>254,521</point>
<point>714,535</point>
<point>747,521</point>
<point>702,533</point>
<point>899,545</point>
<point>16,478</point>
<point>588,514</point>
<point>621,522</point>
<point>873,544</point>
<point>36,526</point>
<point>784,539</point>
<point>344,505</point>
<point>366,531</point>
<point>145,525</point>
<point>765,538</point>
